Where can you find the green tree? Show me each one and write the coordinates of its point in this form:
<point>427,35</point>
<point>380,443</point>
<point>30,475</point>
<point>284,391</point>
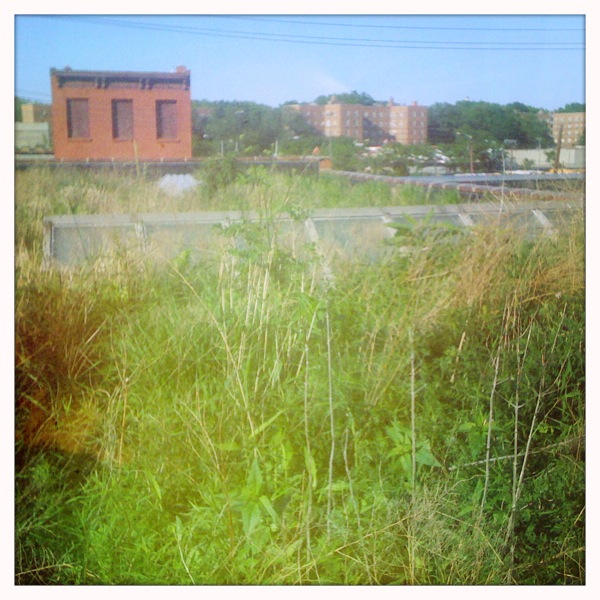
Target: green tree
<point>353,97</point>
<point>488,121</point>
<point>443,121</point>
<point>573,107</point>
<point>344,154</point>
<point>534,132</point>
<point>18,114</point>
<point>240,127</point>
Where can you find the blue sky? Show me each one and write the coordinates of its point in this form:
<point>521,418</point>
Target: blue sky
<point>535,59</point>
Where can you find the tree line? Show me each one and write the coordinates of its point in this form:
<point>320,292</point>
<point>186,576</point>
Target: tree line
<point>254,129</point>
<point>466,131</point>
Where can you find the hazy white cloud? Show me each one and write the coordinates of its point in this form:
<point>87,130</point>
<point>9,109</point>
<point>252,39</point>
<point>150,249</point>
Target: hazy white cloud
<point>271,80</point>
<point>328,84</point>
<point>306,82</point>
<point>275,83</point>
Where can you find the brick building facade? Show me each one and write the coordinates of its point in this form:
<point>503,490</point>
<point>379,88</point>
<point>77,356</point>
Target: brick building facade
<point>122,116</point>
<point>406,124</point>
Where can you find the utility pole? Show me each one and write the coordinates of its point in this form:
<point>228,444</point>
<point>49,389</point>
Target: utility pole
<point>558,146</point>
<point>471,154</point>
<point>469,148</point>
<point>510,144</point>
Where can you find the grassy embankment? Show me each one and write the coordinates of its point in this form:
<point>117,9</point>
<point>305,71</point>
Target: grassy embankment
<point>419,421</point>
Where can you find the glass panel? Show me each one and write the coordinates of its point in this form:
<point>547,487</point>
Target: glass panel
<point>433,220</point>
<point>346,238</point>
<point>525,222</point>
<point>76,245</point>
<point>562,217</point>
<point>166,241</point>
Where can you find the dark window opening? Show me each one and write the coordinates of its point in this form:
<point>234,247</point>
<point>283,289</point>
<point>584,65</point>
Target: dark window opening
<point>122,119</point>
<point>166,119</point>
<point>78,118</point>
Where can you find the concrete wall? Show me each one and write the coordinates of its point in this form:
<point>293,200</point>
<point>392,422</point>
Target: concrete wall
<point>29,136</point>
<point>338,234</point>
<point>570,158</point>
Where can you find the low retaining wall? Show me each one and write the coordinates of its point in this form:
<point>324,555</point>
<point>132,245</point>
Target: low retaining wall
<point>356,234</point>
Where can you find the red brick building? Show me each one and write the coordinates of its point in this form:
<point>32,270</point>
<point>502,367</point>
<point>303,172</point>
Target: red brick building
<point>122,116</point>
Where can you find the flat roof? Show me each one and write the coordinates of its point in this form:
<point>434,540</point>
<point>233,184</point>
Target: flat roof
<point>74,74</point>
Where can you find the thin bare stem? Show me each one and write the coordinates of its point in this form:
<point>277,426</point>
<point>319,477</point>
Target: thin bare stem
<point>548,448</point>
<point>307,438</point>
<point>331,422</point>
<point>123,418</point>
<point>307,442</point>
<point>519,488</point>
<point>413,430</point>
<point>488,445</point>
<point>187,570</point>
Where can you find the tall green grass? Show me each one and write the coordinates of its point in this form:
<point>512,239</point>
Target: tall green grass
<point>249,421</point>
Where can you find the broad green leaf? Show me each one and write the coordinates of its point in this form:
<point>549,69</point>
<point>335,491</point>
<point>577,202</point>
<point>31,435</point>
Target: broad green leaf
<point>227,446</point>
<point>267,423</point>
<point>255,480</point>
<point>250,517</point>
<point>269,508</point>
<point>178,528</point>
<point>465,427</point>
<point>340,486</point>
<point>155,485</point>
<point>424,456</point>
<point>311,466</point>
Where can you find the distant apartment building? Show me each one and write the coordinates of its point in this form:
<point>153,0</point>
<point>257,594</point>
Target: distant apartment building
<point>35,113</point>
<point>121,116</point>
<point>406,124</point>
<point>569,127</point>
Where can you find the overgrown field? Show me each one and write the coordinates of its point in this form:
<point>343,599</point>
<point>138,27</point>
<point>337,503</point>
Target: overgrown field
<point>249,421</point>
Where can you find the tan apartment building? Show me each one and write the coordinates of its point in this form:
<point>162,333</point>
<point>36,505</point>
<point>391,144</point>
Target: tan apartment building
<point>36,113</point>
<point>406,124</point>
<point>569,127</point>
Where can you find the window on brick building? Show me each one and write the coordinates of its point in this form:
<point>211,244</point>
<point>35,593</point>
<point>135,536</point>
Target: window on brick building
<point>122,119</point>
<point>166,119</point>
<point>78,118</point>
